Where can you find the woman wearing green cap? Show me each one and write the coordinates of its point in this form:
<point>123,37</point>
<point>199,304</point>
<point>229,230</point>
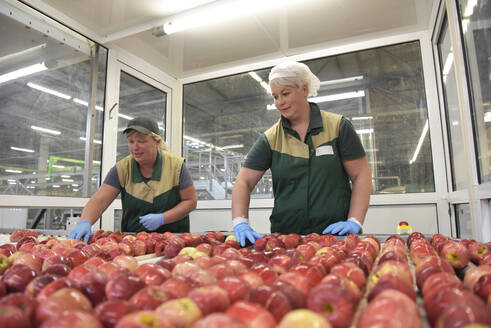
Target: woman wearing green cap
<point>157,192</point>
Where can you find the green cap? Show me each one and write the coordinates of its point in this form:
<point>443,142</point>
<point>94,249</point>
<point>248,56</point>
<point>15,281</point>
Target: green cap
<point>143,125</point>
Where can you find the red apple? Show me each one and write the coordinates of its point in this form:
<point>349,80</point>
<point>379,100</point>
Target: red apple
<point>219,320</point>
<point>237,289</point>
<point>333,302</point>
<point>307,251</point>
<point>143,319</point>
<point>38,283</point>
<point>168,264</point>
<point>56,259</point>
<point>73,319</point>
<point>30,260</point>
<point>389,281</point>
<point>52,287</point>
<point>177,287</point>
<point>461,314</point>
<point>123,287</point>
<point>477,251</point>
<point>62,300</point>
<point>274,301</point>
<point>313,272</point>
<point>352,272</point>
<point>17,277</point>
<point>93,286</point>
<point>482,287</point>
<point>77,257</point>
<point>252,314</point>
<point>126,261</point>
<point>12,317</point>
<point>152,274</point>
<point>297,280</point>
<point>210,299</point>
<point>110,312</point>
<point>181,312</point>
<point>25,303</point>
<point>303,318</point>
<point>390,308</point>
<point>473,275</point>
<point>456,254</point>
<point>252,278</point>
<point>294,295</point>
<point>149,298</point>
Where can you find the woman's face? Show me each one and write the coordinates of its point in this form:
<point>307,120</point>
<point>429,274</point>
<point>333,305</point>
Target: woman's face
<point>289,100</point>
<point>143,147</point>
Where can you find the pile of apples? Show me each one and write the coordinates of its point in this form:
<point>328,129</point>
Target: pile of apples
<point>206,280</point>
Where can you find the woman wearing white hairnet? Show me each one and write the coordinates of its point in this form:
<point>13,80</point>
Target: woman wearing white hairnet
<point>313,155</point>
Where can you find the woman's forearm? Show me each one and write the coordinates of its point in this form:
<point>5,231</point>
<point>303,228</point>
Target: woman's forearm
<point>179,211</point>
<point>241,197</point>
<point>360,196</point>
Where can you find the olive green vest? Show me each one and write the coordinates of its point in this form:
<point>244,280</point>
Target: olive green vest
<point>158,195</point>
<point>310,186</point>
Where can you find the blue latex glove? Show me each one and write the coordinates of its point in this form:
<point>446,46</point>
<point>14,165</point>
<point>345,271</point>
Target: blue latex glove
<point>152,221</point>
<point>243,231</point>
<point>82,230</point>
<point>342,228</point>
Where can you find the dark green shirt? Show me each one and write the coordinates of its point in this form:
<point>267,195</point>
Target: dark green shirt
<point>310,186</point>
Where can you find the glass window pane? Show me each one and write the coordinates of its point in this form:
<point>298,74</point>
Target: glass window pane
<point>463,219</point>
<point>137,98</point>
<point>457,156</point>
<point>380,90</point>
<point>476,29</point>
<point>47,220</point>
<point>45,88</point>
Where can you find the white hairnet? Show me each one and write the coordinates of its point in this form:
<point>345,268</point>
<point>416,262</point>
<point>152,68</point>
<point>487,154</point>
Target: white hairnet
<point>293,73</point>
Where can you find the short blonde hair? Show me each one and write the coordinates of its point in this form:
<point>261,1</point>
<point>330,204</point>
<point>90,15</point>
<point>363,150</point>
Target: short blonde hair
<point>162,146</point>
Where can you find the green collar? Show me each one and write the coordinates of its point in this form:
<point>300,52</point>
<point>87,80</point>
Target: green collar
<point>157,170</point>
<point>315,125</point>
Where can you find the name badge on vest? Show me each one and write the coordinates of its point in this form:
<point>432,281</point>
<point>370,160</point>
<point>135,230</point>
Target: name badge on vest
<point>324,150</point>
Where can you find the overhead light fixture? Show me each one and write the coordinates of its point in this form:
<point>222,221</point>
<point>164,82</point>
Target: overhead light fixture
<point>47,90</point>
<point>95,141</point>
<point>85,103</point>
<point>202,143</point>
<point>233,146</point>
<point>420,143</point>
<point>126,117</point>
<point>487,117</point>
<point>37,128</point>
<point>364,131</point>
<point>218,11</point>
<point>22,149</point>
<point>67,180</point>
<point>58,166</point>
<point>344,80</point>
<point>13,171</point>
<point>260,81</point>
<point>469,8</point>
<point>66,176</point>
<point>359,118</point>
<point>23,72</point>
<point>338,96</point>
<point>23,53</point>
<point>55,186</point>
<point>448,64</point>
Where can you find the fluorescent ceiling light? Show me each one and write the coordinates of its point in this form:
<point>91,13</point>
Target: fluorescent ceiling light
<point>55,186</point>
<point>95,141</point>
<point>10,180</point>
<point>74,184</point>
<point>218,11</point>
<point>22,149</point>
<point>448,64</point>
<point>12,183</point>
<point>255,76</point>
<point>23,72</point>
<point>13,171</point>
<point>420,143</point>
<point>126,117</point>
<point>96,162</point>
<point>260,81</point>
<point>345,80</point>
<point>338,96</point>
<point>22,53</point>
<point>66,176</point>
<point>357,118</point>
<point>469,8</point>
<point>58,166</point>
<point>487,117</point>
<point>50,91</point>
<point>37,128</point>
<point>67,180</point>
<point>364,131</point>
<point>202,143</point>
<point>85,103</point>
<point>233,146</point>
